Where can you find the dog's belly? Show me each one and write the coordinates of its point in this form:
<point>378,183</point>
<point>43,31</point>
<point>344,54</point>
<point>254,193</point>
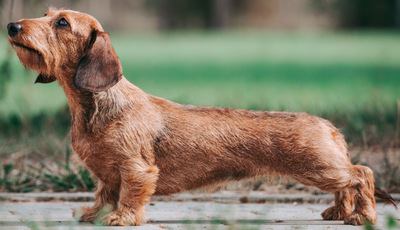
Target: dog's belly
<point>188,165</point>
<point>180,176</point>
<point>207,160</point>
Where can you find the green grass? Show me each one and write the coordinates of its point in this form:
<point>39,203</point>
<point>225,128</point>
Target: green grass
<point>314,72</point>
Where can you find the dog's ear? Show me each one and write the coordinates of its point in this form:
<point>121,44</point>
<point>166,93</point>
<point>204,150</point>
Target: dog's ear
<point>42,78</point>
<point>99,68</point>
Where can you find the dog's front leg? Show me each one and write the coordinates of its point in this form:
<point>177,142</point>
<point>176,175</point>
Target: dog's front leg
<point>138,183</point>
<point>105,195</point>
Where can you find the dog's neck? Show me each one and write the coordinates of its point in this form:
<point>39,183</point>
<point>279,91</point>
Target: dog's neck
<point>91,111</point>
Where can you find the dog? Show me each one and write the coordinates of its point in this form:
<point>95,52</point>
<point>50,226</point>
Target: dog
<point>137,145</point>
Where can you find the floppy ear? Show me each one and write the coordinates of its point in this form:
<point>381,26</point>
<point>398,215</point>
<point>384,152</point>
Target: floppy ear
<point>99,68</point>
<point>41,78</point>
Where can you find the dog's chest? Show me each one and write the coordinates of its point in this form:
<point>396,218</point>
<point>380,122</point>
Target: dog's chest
<point>98,159</point>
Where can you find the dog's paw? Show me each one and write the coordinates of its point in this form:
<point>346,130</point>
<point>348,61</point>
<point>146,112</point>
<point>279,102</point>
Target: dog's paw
<point>330,213</point>
<point>91,214</point>
<point>334,213</point>
<point>119,218</point>
<point>359,219</point>
<point>84,214</point>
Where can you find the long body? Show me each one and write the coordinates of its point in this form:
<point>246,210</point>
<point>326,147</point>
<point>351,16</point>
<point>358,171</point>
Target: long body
<point>222,144</point>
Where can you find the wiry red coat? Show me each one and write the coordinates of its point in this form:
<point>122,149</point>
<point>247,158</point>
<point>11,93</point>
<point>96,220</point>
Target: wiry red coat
<point>136,144</point>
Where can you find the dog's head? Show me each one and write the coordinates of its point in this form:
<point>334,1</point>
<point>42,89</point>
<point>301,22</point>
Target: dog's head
<point>68,46</point>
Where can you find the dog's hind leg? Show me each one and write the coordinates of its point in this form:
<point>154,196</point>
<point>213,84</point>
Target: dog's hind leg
<point>365,204</point>
<point>343,207</point>
<point>330,169</point>
<point>354,195</point>
<point>353,185</point>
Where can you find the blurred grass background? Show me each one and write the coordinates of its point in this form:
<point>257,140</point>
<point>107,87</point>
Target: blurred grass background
<point>347,77</point>
<point>351,77</point>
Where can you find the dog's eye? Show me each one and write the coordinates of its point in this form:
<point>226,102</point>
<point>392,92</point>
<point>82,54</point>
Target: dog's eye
<point>62,22</point>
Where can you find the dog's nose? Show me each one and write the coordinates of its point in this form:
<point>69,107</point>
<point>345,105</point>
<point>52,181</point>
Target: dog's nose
<point>13,28</point>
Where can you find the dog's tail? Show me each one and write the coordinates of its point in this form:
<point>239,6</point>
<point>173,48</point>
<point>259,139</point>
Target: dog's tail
<point>385,196</point>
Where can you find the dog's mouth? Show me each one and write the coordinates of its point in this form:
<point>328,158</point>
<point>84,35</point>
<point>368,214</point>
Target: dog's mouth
<point>30,57</point>
<point>24,47</point>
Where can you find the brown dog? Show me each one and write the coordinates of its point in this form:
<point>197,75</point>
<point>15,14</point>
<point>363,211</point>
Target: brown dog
<point>136,144</point>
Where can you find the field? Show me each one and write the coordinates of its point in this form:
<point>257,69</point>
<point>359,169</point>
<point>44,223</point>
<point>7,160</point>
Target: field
<point>311,72</point>
<point>352,79</point>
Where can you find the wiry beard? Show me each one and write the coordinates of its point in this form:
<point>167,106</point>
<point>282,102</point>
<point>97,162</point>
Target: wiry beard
<point>30,58</point>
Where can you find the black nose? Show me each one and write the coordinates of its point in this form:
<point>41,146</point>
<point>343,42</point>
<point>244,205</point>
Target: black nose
<point>13,28</point>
